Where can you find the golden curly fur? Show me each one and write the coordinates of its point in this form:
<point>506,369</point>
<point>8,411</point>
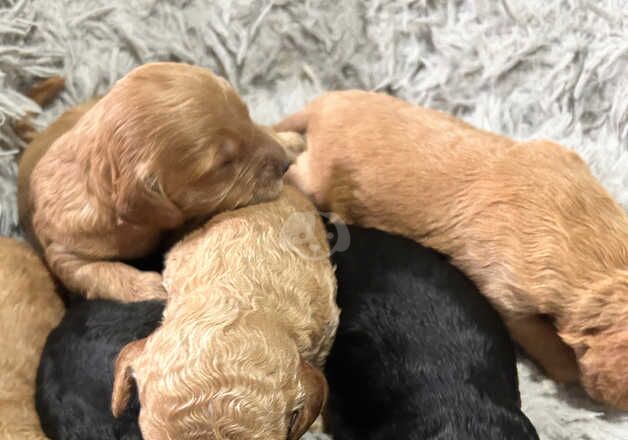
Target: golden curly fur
<point>169,142</point>
<point>250,318</point>
<point>38,145</point>
<point>29,310</point>
<point>526,221</point>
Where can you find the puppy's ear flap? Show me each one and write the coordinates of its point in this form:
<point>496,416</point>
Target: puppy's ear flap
<point>123,376</point>
<point>315,387</point>
<point>142,201</point>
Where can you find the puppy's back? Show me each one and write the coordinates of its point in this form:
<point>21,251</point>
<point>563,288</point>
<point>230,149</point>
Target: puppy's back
<point>34,151</point>
<point>75,377</point>
<point>29,309</point>
<point>419,352</point>
<point>279,247</point>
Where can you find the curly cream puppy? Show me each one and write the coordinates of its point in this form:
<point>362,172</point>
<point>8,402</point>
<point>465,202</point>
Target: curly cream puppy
<point>29,310</point>
<point>526,221</point>
<point>170,142</point>
<point>250,318</point>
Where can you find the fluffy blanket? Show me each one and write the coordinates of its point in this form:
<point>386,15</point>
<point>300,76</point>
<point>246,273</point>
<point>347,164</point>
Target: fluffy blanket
<point>527,68</point>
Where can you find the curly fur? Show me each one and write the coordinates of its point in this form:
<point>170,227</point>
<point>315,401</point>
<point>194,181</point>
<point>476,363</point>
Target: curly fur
<point>248,322</point>
<point>169,142</point>
<point>29,310</point>
<point>419,353</point>
<point>75,375</point>
<point>526,221</point>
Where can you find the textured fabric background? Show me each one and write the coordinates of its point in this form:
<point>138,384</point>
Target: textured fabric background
<point>528,68</point>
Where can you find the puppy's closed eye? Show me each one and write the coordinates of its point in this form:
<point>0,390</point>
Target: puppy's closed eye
<point>152,184</point>
<point>226,162</point>
<point>227,154</point>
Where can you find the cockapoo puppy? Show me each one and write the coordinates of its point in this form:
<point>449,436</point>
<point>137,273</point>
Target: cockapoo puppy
<point>170,142</point>
<point>75,376</point>
<point>29,309</point>
<point>420,353</point>
<point>250,317</point>
<point>527,221</point>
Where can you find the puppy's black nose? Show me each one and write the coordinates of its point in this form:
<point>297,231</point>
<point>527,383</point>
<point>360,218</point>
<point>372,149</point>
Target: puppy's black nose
<point>284,166</point>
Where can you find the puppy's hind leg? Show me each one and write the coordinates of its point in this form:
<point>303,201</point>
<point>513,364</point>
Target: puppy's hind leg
<point>104,279</point>
<point>541,342</point>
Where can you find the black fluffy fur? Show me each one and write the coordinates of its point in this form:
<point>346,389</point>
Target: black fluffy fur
<point>75,376</point>
<point>420,353</point>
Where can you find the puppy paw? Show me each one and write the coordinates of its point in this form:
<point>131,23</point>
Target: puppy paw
<point>293,143</point>
<point>149,285</point>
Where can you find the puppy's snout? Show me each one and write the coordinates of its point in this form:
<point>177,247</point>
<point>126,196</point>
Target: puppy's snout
<point>281,162</point>
<point>280,166</point>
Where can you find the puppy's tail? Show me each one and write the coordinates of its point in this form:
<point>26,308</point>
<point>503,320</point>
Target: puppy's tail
<point>295,122</point>
<point>42,93</point>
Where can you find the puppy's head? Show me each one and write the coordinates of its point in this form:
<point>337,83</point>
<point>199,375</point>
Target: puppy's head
<point>244,166</point>
<point>604,368</point>
<point>248,387</point>
<point>182,144</point>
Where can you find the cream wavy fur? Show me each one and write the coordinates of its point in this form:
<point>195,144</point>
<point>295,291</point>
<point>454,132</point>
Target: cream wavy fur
<point>248,324</point>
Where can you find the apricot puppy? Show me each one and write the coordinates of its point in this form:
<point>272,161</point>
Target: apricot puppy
<point>29,310</point>
<point>170,142</point>
<point>250,318</point>
<point>526,221</point>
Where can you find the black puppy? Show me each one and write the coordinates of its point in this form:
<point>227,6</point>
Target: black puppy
<point>419,354</point>
<point>75,376</point>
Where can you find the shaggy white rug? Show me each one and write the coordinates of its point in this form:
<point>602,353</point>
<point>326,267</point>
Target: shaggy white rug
<point>528,68</point>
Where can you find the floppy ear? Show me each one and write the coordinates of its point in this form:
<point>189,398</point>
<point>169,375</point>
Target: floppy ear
<point>123,376</point>
<point>315,387</point>
<point>142,201</point>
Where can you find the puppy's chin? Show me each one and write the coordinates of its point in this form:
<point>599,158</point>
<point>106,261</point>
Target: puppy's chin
<point>266,193</point>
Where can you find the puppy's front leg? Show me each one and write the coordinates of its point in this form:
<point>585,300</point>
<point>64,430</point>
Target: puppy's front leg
<point>541,342</point>
<point>298,174</point>
<point>103,279</point>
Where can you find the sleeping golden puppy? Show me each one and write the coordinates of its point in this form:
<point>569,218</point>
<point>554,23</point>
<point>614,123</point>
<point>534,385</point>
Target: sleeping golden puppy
<point>170,142</point>
<point>29,310</point>
<point>525,220</point>
<point>250,318</point>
